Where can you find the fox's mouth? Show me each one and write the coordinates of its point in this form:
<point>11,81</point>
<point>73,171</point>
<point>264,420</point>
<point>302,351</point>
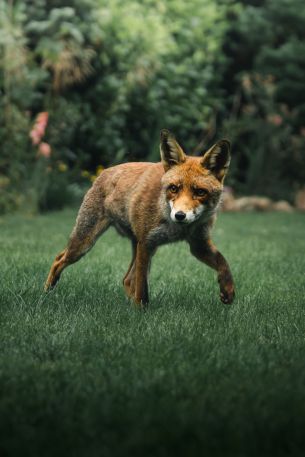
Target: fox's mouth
<point>183,222</point>
<point>185,217</point>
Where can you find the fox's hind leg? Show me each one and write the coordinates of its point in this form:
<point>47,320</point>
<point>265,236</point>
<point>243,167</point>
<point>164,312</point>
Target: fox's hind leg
<point>129,278</point>
<point>77,247</point>
<point>90,224</point>
<point>135,280</point>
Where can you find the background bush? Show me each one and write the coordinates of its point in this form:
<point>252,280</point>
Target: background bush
<point>110,75</point>
<point>264,83</point>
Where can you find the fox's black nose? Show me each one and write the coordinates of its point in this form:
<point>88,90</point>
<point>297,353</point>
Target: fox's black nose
<point>180,215</point>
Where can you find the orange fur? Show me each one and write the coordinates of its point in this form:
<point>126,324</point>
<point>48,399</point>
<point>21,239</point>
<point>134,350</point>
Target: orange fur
<point>143,202</point>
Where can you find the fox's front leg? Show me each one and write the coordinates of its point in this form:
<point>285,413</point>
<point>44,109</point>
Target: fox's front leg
<point>142,262</point>
<point>208,253</point>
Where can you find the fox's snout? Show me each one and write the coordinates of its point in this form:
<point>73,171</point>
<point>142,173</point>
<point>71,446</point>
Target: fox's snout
<point>180,216</point>
<point>185,216</point>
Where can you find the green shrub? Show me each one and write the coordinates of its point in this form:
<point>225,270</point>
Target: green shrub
<point>110,75</point>
<point>266,102</point>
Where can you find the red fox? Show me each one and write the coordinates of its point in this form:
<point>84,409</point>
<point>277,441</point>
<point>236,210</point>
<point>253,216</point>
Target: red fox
<point>153,204</point>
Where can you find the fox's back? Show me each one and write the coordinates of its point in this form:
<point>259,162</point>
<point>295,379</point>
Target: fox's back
<point>130,190</point>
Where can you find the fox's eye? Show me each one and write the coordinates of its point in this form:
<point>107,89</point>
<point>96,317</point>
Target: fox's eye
<point>200,192</point>
<point>174,189</point>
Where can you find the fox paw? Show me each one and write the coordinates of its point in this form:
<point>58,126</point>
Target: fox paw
<point>50,284</point>
<point>227,296</point>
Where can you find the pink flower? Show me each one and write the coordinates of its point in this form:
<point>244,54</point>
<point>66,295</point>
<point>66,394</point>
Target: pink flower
<point>275,119</point>
<point>43,116</point>
<point>44,150</point>
<point>35,137</point>
<point>39,127</point>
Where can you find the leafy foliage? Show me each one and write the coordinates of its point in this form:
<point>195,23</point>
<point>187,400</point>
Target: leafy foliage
<point>110,75</point>
<point>265,44</point>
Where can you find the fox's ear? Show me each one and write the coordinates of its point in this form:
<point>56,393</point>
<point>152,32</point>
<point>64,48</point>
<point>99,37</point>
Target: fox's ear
<point>217,159</point>
<point>171,151</point>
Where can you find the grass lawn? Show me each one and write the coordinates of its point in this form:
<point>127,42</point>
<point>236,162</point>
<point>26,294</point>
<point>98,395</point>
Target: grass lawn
<point>83,373</point>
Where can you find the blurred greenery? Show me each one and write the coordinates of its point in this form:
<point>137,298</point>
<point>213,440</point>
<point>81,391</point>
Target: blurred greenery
<point>111,74</point>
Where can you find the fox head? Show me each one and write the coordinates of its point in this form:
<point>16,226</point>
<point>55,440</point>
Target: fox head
<point>192,185</point>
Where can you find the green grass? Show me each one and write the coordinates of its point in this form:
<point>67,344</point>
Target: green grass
<point>83,373</point>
